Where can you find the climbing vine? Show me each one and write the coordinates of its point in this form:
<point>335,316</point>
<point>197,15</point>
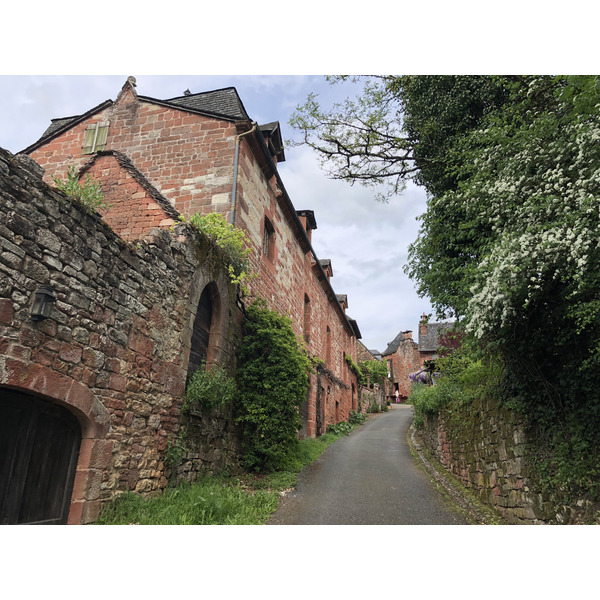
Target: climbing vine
<point>376,370</point>
<point>272,378</point>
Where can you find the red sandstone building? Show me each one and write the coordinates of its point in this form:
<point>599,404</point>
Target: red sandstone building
<point>404,356</point>
<point>91,396</point>
<point>202,153</point>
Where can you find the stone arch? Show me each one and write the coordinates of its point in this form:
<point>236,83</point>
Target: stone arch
<point>95,451</point>
<point>208,320</point>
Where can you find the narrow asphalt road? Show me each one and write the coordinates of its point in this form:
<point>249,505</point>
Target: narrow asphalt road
<point>367,478</point>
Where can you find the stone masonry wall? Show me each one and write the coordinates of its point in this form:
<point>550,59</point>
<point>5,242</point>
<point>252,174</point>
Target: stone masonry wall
<point>115,349</point>
<point>486,448</point>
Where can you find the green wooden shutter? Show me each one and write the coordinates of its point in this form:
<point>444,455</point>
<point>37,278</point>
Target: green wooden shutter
<point>102,135</point>
<point>95,137</point>
<point>90,134</point>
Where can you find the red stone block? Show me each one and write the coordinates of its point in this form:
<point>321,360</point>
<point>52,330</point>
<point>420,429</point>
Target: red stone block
<point>6,311</point>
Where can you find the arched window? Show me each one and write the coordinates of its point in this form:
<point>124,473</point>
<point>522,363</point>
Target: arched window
<point>201,333</point>
<point>307,315</point>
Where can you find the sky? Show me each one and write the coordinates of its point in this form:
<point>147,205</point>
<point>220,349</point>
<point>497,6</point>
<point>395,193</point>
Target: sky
<point>366,240</point>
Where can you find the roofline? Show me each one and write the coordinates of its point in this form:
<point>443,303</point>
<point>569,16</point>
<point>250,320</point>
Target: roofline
<point>126,163</point>
<point>194,111</point>
<point>76,120</point>
<point>229,87</point>
<point>289,208</point>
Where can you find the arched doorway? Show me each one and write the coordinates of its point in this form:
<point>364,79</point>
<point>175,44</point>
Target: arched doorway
<point>39,448</point>
<point>206,314</point>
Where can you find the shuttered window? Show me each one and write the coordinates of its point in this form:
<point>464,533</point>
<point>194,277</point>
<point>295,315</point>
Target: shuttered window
<point>95,137</point>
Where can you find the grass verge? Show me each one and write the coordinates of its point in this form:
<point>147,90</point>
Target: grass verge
<point>246,499</point>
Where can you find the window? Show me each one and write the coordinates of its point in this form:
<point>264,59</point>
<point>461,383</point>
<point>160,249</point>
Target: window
<point>95,137</point>
<point>307,319</point>
<point>268,239</point>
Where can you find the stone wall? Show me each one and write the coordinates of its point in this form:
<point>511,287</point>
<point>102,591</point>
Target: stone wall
<point>486,448</point>
<point>115,349</point>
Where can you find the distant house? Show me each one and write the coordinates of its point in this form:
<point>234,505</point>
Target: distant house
<point>402,357</point>
<point>429,338</point>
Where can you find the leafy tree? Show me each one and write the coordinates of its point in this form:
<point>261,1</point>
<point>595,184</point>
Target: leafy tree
<point>376,370</point>
<point>398,129</point>
<point>509,241</point>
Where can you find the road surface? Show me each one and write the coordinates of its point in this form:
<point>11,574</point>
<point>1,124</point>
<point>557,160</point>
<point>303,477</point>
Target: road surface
<point>367,478</point>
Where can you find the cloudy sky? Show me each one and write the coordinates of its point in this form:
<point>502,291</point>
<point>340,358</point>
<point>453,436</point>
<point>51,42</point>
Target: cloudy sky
<point>365,239</point>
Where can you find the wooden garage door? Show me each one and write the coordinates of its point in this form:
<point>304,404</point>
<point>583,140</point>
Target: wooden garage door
<point>39,446</point>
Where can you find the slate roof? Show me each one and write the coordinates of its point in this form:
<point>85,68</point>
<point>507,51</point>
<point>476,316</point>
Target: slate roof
<point>430,341</point>
<point>224,102</point>
<point>394,344</point>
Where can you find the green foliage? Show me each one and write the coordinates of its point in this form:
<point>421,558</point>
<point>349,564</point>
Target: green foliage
<point>514,248</point>
<point>272,379</point>
<point>175,451</point>
<point>462,379</point>
<point>210,501</point>
<point>396,128</point>
<point>356,418</point>
<point>87,192</point>
<point>232,240</point>
<point>375,369</point>
<point>209,388</point>
<point>355,369</point>
<point>374,407</point>
<point>341,428</point>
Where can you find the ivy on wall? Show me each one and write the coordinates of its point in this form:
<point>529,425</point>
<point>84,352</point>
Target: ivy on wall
<point>272,378</point>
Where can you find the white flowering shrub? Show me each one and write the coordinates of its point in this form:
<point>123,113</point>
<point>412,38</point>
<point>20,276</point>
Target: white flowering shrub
<point>514,249</point>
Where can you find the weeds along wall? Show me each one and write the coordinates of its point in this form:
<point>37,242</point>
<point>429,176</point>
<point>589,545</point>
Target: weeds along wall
<point>487,448</point>
<point>115,350</point>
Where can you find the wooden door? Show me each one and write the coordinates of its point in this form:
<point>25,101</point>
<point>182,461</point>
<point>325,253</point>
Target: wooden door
<point>39,447</point>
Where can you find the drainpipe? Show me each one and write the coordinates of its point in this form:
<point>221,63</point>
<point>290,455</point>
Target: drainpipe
<point>235,169</point>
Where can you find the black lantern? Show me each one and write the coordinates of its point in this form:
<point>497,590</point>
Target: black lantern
<point>42,303</point>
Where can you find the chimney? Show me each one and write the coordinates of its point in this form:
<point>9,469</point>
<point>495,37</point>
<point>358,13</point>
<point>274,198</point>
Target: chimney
<point>407,335</point>
<point>423,324</point>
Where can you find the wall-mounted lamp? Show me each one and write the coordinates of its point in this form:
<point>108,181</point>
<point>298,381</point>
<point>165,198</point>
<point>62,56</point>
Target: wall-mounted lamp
<point>41,304</point>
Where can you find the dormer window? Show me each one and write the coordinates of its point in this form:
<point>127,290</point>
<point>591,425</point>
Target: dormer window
<point>95,137</point>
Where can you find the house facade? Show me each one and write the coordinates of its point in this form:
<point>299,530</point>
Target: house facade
<point>429,338</point>
<point>137,305</point>
<point>202,153</point>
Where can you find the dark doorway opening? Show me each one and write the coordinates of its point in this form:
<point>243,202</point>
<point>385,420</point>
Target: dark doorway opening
<point>201,331</point>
